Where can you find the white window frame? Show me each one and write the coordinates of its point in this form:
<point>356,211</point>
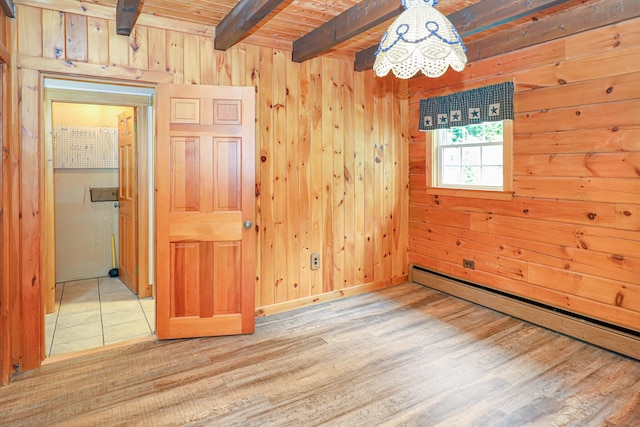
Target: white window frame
<point>504,192</point>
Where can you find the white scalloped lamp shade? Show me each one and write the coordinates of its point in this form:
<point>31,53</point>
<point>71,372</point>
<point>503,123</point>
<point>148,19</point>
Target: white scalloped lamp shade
<point>421,38</point>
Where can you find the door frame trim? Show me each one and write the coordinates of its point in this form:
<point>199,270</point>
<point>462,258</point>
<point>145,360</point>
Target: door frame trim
<point>26,313</point>
<point>5,338</point>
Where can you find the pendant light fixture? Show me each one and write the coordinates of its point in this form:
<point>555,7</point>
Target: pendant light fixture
<point>421,38</point>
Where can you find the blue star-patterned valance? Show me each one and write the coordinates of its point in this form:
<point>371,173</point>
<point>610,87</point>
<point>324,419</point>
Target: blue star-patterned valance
<point>486,104</point>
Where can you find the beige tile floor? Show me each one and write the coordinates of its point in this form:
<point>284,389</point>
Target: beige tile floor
<point>95,312</point>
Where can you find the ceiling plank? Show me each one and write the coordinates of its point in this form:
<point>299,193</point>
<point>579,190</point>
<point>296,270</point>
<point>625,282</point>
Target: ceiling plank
<point>127,12</point>
<point>359,18</point>
<point>242,18</point>
<point>478,17</point>
<point>8,8</point>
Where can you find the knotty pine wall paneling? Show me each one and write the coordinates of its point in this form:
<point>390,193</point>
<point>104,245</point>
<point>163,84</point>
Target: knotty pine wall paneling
<point>331,158</point>
<point>570,238</point>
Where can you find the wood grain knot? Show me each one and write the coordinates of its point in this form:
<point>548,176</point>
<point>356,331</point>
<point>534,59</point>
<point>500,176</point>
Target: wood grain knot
<point>619,299</point>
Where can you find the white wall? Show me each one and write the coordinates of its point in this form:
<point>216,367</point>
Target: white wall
<point>83,229</point>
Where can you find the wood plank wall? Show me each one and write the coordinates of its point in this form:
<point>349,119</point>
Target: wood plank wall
<point>331,158</point>
<point>570,237</point>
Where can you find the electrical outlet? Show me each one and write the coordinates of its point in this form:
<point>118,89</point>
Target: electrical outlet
<point>315,261</point>
<point>467,263</point>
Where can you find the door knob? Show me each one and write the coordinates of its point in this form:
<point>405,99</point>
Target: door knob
<point>116,205</point>
<point>247,224</point>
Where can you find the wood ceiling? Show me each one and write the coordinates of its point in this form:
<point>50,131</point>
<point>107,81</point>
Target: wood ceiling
<point>353,28</point>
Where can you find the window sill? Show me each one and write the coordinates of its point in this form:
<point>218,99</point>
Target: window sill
<point>476,194</point>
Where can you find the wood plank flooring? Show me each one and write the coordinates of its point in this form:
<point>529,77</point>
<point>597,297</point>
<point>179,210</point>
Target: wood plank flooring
<point>406,355</point>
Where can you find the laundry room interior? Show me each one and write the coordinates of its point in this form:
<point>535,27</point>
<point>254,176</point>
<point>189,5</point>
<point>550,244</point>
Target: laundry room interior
<point>86,180</point>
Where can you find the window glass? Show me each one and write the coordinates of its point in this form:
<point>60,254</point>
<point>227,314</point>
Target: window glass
<point>470,156</point>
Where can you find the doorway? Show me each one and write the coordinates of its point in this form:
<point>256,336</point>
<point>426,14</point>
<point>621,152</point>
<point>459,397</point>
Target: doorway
<point>84,189</point>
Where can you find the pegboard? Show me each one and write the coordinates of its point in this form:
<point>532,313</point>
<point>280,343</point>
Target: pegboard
<point>85,147</point>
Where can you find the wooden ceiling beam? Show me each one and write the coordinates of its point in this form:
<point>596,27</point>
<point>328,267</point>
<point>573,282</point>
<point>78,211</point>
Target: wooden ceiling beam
<point>478,17</point>
<point>587,17</point>
<point>487,14</point>
<point>127,12</point>
<point>8,8</point>
<point>359,18</point>
<point>365,59</point>
<point>242,18</point>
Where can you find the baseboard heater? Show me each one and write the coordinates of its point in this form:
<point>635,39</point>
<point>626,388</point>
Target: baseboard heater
<point>601,334</point>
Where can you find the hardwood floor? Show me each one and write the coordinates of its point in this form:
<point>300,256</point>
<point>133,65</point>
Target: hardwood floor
<point>406,355</point>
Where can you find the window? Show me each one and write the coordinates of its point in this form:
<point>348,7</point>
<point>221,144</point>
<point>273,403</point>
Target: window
<point>472,156</point>
<point>470,134</point>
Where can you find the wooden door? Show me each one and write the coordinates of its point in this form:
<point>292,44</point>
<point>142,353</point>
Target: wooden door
<point>205,207</point>
<point>127,216</point>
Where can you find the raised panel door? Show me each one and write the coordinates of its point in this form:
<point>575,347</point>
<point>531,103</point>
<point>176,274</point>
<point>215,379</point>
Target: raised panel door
<point>205,182</point>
